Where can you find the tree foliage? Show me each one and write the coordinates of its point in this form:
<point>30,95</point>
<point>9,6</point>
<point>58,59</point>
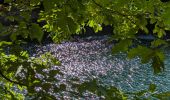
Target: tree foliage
<point>60,19</point>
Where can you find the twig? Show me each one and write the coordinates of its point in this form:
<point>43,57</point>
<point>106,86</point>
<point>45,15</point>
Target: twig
<point>116,12</point>
<point>6,78</point>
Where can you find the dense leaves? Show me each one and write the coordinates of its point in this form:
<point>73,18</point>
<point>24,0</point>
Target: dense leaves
<point>19,71</point>
<point>108,93</point>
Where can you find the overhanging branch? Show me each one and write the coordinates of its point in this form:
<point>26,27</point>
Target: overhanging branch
<point>116,12</point>
<point>6,78</point>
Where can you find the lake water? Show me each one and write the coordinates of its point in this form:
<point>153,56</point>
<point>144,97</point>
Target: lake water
<point>91,57</point>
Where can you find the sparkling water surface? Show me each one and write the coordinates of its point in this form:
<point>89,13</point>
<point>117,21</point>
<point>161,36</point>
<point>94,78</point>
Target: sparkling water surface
<point>91,57</point>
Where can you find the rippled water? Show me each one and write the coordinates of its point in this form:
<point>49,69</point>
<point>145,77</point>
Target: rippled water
<point>89,58</point>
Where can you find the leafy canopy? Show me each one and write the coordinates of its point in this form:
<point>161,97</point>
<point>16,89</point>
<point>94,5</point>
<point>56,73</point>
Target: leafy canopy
<point>60,19</point>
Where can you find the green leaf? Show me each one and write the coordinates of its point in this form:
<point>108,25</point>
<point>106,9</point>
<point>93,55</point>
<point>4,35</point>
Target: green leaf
<point>142,22</point>
<point>24,54</point>
<point>5,43</point>
<point>152,87</point>
<point>160,54</point>
<point>157,65</point>
<point>8,1</point>
<point>158,43</point>
<point>26,15</point>
<point>122,46</point>
<point>144,53</point>
<point>67,24</point>
<point>13,36</point>
<point>19,70</point>
<point>152,20</point>
<point>36,32</point>
<point>35,2</point>
<point>97,27</point>
<point>165,15</point>
<point>49,5</point>
<point>162,96</point>
<point>161,33</point>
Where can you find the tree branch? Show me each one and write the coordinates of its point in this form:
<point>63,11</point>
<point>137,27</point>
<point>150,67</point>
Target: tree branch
<point>116,12</point>
<point>6,78</point>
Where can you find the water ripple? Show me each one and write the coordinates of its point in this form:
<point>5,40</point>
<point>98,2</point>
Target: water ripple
<point>86,59</point>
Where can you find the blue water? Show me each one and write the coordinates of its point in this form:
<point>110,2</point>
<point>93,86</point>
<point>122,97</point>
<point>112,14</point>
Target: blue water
<point>91,57</point>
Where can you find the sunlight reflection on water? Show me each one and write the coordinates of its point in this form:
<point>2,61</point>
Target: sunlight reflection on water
<point>87,59</point>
